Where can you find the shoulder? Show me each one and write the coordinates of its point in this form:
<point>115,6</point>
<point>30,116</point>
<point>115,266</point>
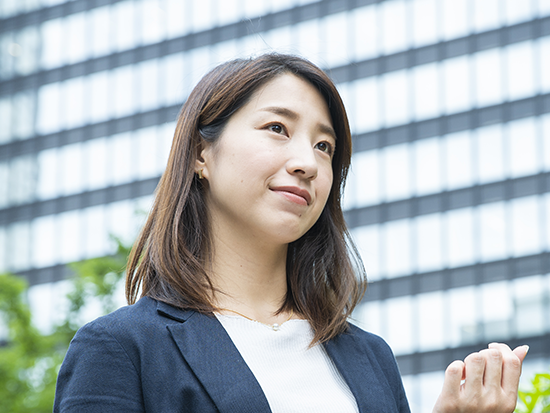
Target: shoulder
<point>370,341</point>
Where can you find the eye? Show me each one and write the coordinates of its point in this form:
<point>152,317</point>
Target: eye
<point>325,147</point>
<point>276,127</point>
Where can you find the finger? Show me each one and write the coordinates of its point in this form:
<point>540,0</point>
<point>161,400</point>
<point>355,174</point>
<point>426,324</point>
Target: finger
<point>475,367</point>
<point>453,377</point>
<point>521,352</point>
<point>511,366</point>
<point>493,368</point>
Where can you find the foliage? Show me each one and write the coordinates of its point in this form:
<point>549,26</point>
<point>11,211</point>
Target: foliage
<point>537,398</point>
<point>30,359</point>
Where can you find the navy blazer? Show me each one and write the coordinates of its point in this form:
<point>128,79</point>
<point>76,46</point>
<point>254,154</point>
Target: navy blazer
<point>152,357</point>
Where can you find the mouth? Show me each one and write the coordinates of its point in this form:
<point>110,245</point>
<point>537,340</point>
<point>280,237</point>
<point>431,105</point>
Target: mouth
<point>294,194</point>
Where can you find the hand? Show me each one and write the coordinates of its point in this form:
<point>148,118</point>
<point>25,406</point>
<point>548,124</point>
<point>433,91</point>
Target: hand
<point>490,381</point>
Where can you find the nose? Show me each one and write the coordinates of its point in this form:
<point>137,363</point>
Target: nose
<point>303,162</point>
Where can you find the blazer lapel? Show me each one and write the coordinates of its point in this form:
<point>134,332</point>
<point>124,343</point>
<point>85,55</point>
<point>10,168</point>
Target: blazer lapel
<point>216,362</point>
<point>363,379</point>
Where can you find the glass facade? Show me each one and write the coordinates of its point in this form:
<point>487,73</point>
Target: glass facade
<point>448,198</point>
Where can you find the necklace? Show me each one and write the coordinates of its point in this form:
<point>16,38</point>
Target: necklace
<point>274,327</point>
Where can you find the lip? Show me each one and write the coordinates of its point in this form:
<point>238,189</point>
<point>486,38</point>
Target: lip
<point>294,190</point>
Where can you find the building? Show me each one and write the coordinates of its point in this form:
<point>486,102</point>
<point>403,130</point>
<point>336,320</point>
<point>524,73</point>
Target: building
<point>449,100</point>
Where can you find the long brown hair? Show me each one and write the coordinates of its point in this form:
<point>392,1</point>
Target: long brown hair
<point>325,275</point>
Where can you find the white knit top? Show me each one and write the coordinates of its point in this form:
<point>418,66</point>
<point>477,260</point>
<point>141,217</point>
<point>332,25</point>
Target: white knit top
<point>293,377</point>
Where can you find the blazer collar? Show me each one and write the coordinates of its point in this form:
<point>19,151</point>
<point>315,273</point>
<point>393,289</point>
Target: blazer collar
<point>215,360</point>
<point>366,382</point>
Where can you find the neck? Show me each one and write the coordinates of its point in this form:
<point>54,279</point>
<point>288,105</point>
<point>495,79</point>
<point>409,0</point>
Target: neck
<point>250,277</point>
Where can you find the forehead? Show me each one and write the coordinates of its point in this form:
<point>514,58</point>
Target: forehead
<point>291,92</point>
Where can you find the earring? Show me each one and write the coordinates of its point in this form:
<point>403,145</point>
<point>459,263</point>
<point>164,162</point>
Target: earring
<point>200,173</point>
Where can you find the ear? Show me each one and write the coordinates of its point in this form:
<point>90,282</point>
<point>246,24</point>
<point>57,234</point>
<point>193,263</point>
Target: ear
<point>203,160</point>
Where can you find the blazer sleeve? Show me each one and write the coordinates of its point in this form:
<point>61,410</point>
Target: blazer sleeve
<point>97,375</point>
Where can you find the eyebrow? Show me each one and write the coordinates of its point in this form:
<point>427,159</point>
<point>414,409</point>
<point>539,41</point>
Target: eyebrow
<point>287,113</point>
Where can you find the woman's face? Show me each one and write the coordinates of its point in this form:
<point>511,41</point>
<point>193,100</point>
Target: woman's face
<point>269,174</point>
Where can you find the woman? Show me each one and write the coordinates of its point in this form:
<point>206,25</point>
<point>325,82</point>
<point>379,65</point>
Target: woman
<point>246,274</point>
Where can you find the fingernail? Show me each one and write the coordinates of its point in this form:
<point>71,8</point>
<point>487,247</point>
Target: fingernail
<point>526,348</point>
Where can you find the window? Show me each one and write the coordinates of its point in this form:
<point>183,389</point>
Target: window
<point>282,40</point>
<point>520,70</point>
<point>497,310</point>
<point>490,154</point>
<point>518,11</point>
<point>121,156</point>
<point>5,119</point>
<point>99,94</point>
<point>3,254</point>
<point>426,103</point>
<point>395,36</point>
<point>74,112</point>
<point>44,242</point>
<point>97,164</point>
<point>124,99</point>
<point>529,302</point>
<point>203,15</point>
<point>464,316</point>
<point>124,34</point>
<point>22,179</point>
<point>396,252</point>
<point>52,43</point>
<point>522,148</point>
<point>178,17</point>
<point>428,243</point>
<point>71,166</point>
<point>76,38</point>
<point>148,78</point>
<point>424,20</point>
<point>427,165</point>
<point>431,332</point>
<point>488,82</point>
<point>18,251</point>
<point>365,36</point>
<point>229,11</point>
<point>366,167</point>
<point>173,79</point>
<point>152,22</point>
<point>29,41</point>
<point>4,185</point>
<point>456,18</point>
<point>399,324</point>
<point>368,316</point>
<point>367,105</point>
<point>545,132</point>
<point>525,238</point>
<point>100,28</point>
<point>147,158</point>
<point>48,174</point>
<point>308,35</point>
<point>96,238</point>
<point>199,64</point>
<point>493,232</point>
<point>458,160</point>
<point>396,98</point>
<point>336,35</point>
<point>49,105</point>
<point>543,53</point>
<point>487,15</point>
<point>457,96</point>
<point>460,237</point>
<point>367,240</point>
<point>23,114</point>
<point>396,172</point>
<point>70,236</point>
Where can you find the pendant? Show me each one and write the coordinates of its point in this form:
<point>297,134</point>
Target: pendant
<point>275,327</point>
